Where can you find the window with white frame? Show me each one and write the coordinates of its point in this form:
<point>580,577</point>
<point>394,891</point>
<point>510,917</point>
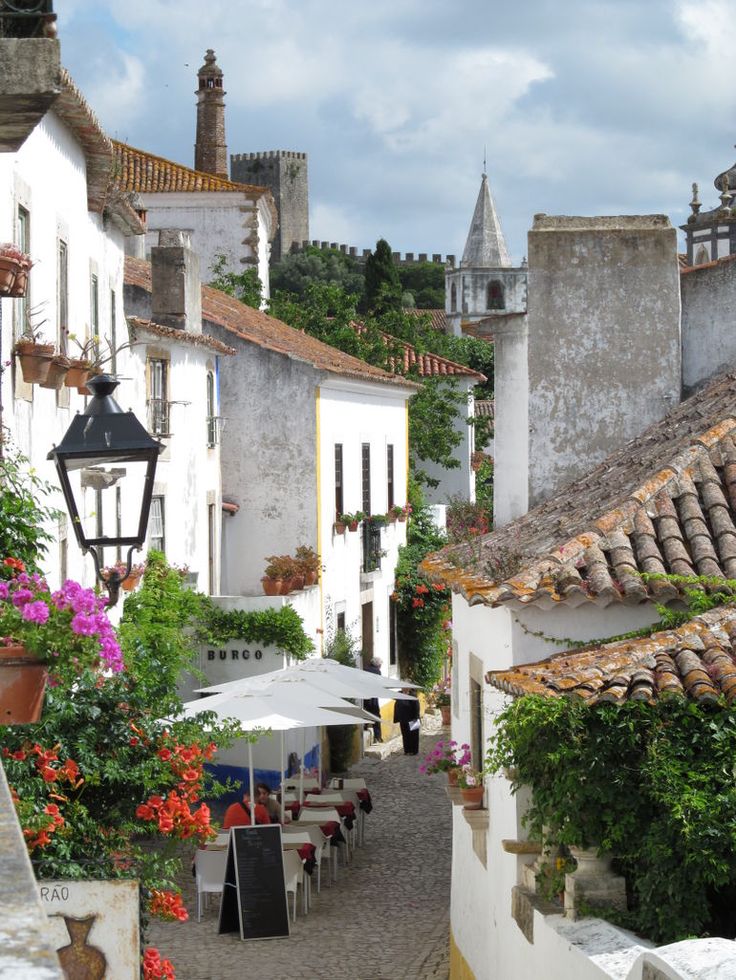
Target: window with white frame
<point>158,401</point>
<point>213,421</point>
<point>157,524</point>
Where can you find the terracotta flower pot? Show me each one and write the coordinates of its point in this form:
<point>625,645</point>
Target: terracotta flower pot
<point>296,583</point>
<point>22,686</point>
<point>9,269</point>
<point>82,388</point>
<point>353,526</point>
<point>35,360</point>
<point>392,518</point>
<point>20,284</point>
<point>57,373</point>
<point>401,518</point>
<point>445,712</point>
<point>339,527</point>
<point>131,581</point>
<point>272,586</point>
<point>310,578</point>
<point>452,776</point>
<point>472,797</point>
<point>77,373</point>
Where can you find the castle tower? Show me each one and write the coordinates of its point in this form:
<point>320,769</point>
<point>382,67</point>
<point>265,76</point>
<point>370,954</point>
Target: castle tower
<point>284,172</point>
<point>711,235</point>
<point>484,286</point>
<point>210,149</point>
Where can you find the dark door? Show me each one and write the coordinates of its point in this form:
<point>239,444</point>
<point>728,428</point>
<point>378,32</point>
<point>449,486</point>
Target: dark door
<point>367,630</point>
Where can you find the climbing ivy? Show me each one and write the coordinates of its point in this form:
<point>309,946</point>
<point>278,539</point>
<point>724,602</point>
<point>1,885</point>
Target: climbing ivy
<point>281,628</point>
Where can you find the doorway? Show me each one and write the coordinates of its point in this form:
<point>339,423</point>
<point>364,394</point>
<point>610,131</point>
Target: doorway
<point>367,633</point>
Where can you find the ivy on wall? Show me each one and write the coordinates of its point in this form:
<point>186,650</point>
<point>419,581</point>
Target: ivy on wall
<point>282,628</point>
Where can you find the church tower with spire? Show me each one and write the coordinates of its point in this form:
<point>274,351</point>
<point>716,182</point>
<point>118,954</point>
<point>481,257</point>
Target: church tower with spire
<point>210,149</point>
<point>485,286</point>
<point>711,235</point>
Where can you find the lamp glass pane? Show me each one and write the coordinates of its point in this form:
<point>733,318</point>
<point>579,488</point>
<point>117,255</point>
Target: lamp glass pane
<point>104,514</point>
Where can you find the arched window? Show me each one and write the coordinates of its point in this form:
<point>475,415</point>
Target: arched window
<point>495,295</point>
<point>453,298</point>
<point>702,257</point>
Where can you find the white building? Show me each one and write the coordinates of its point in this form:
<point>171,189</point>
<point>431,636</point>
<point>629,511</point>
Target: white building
<point>56,204</point>
<point>222,218</point>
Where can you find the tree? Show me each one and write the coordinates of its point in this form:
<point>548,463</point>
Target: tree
<point>296,272</point>
<point>244,286</point>
<point>382,285</point>
<point>426,283</point>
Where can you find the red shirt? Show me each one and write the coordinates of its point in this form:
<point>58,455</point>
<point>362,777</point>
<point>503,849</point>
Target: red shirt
<point>237,815</point>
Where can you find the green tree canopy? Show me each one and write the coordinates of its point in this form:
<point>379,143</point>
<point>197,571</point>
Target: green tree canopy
<point>382,286</point>
<point>295,273</point>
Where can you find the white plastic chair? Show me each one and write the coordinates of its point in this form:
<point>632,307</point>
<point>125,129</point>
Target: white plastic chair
<point>308,837</point>
<point>345,796</point>
<point>293,877</point>
<point>209,873</point>
<point>323,851</point>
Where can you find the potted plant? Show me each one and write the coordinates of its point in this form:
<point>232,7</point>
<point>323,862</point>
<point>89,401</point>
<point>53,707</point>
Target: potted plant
<point>34,355</point>
<point>445,757</point>
<point>339,526</point>
<point>378,520</point>
<point>394,513</point>
<point>56,374</point>
<point>277,576</point>
<point>14,268</point>
<point>470,782</point>
<point>352,520</point>
<point>133,577</point>
<point>308,564</point>
<point>403,512</point>
<point>440,695</point>
<point>61,633</point>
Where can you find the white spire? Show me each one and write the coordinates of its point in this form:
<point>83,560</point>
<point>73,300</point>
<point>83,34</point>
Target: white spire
<point>485,247</point>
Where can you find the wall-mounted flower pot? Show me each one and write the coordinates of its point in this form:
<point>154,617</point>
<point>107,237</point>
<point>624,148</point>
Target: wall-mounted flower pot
<point>20,285</point>
<point>310,578</point>
<point>9,269</point>
<point>472,797</point>
<point>57,373</point>
<point>77,373</point>
<point>34,360</point>
<point>445,712</point>
<point>353,526</point>
<point>452,776</point>
<point>82,388</point>
<point>339,527</point>
<point>130,582</point>
<point>22,686</point>
<point>401,518</point>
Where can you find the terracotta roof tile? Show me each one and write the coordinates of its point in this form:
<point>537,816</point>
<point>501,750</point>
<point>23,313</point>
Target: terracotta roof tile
<point>145,173</point>
<point>698,660</point>
<point>437,318</point>
<point>269,333</point>
<point>663,504</point>
<point>484,407</point>
<point>427,365</point>
<point>180,336</point>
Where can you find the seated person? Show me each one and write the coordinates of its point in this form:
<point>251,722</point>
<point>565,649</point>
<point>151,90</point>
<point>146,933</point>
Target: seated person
<point>238,814</point>
<point>263,796</point>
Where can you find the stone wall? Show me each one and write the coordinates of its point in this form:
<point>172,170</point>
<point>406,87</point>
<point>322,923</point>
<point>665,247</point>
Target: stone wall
<point>604,339</point>
<point>285,173</point>
<point>708,320</point>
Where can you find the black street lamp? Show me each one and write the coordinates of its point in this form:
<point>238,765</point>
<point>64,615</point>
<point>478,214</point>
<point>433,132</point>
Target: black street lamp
<point>101,447</point>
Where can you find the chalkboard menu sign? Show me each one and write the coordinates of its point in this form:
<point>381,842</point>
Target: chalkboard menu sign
<point>254,894</point>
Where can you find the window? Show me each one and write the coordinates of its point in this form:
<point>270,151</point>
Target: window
<point>24,244</point>
<point>453,298</point>
<point>211,528</point>
<point>372,551</point>
<point>113,334</point>
<point>339,501</point>
<point>390,476</point>
<point>476,724</point>
<point>62,298</point>
<point>366,476</point>
<point>158,402</point>
<point>213,422</point>
<point>495,296</point>
<point>156,525</point>
<point>341,622</point>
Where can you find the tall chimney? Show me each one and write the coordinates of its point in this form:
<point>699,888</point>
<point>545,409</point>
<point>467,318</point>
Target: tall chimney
<point>176,293</point>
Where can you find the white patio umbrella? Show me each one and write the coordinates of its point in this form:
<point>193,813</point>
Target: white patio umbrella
<point>275,711</point>
<point>354,684</point>
<point>329,667</point>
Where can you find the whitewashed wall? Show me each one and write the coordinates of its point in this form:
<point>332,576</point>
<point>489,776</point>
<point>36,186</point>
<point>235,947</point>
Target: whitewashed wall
<point>220,223</point>
<point>352,413</point>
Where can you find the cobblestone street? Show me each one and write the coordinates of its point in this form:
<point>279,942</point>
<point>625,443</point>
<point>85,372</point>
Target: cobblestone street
<point>386,918</point>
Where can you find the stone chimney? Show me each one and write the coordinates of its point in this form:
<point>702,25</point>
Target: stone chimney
<point>597,358</point>
<point>176,290</point>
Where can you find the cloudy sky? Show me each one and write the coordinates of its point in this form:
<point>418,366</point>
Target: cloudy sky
<point>583,106</point>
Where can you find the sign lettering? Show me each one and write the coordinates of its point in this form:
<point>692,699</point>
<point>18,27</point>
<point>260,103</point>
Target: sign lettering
<point>242,654</point>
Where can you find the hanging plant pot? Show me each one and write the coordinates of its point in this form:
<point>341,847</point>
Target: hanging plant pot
<point>34,359</point>
<point>57,373</point>
<point>91,373</point>
<point>22,686</point>
<point>130,582</point>
<point>472,797</point>
<point>353,526</point>
<point>77,373</point>
<point>401,518</point>
<point>272,586</point>
<point>339,527</point>
<point>20,285</point>
<point>9,269</point>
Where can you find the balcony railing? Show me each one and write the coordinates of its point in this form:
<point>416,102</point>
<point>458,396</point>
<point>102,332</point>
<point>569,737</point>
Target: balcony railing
<point>159,416</point>
<point>372,551</point>
<point>214,429</point>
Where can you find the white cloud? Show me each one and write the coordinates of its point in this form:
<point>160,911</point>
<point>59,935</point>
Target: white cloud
<point>330,222</point>
<point>119,91</point>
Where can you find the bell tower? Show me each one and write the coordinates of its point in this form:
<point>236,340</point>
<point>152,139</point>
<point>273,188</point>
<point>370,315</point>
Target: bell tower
<point>210,149</point>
